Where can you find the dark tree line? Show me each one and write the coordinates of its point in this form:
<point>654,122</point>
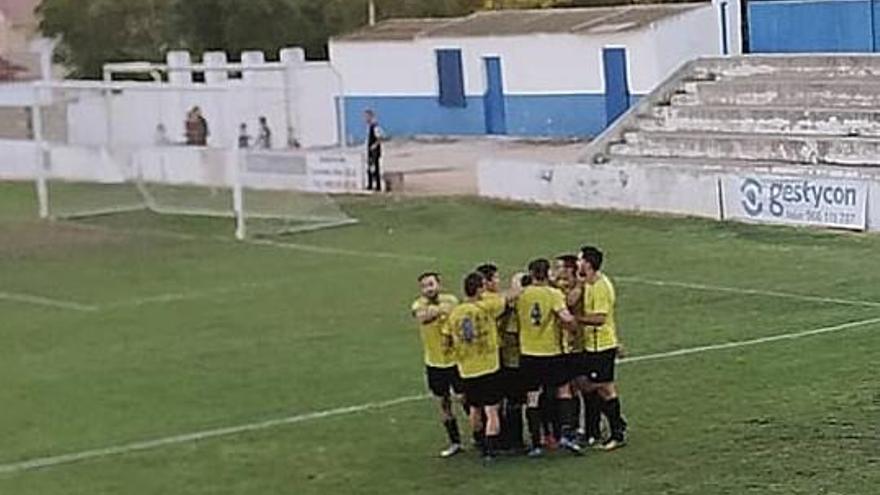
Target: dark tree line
<point>94,32</point>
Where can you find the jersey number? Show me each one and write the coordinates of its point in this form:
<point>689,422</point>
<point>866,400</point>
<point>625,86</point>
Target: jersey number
<point>468,330</point>
<point>536,315</point>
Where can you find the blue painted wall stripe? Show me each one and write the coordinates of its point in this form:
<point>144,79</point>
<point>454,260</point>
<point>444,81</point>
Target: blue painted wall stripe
<point>556,115</point>
<point>812,26</point>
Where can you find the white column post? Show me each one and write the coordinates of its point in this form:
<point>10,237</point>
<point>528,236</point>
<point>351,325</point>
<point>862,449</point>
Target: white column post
<point>214,61</point>
<point>293,61</point>
<point>179,67</point>
<point>238,161</point>
<point>37,129</point>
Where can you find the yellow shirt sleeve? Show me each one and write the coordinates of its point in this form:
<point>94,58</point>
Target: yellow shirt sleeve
<point>449,302</point>
<point>601,299</point>
<point>416,305</point>
<point>495,305</point>
<point>558,301</point>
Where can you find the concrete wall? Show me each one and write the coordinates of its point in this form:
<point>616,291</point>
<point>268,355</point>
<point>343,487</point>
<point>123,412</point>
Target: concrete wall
<point>681,190</point>
<point>553,83</point>
<point>331,171</point>
<point>300,95</point>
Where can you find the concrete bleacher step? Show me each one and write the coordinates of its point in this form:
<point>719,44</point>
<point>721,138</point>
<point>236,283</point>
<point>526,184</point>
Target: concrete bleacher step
<point>784,92</point>
<point>719,164</point>
<point>789,148</point>
<point>764,119</point>
<point>794,66</point>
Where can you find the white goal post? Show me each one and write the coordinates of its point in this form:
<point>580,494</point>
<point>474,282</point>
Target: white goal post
<point>116,148</point>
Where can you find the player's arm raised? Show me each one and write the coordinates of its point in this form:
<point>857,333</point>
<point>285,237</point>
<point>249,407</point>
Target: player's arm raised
<point>427,314</point>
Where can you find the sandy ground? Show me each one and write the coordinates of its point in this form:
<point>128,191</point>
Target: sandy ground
<point>449,166</point>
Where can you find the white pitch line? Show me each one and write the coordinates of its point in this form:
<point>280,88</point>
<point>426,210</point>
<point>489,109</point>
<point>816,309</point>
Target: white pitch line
<point>429,259</point>
<point>197,436</point>
<point>52,461</point>
<point>753,292</point>
<point>745,343</point>
<point>310,248</point>
<point>172,297</point>
<point>18,297</point>
<point>199,294</point>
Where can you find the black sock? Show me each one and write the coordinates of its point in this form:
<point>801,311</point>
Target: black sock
<point>452,431</point>
<point>549,415</point>
<point>514,426</point>
<point>479,439</point>
<point>593,406</point>
<point>555,418</point>
<point>578,412</point>
<point>611,408</point>
<point>533,415</point>
<point>491,445</point>
<point>567,410</point>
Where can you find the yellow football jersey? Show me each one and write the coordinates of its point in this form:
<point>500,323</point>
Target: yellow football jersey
<point>600,298</point>
<point>436,353</point>
<point>508,339</point>
<point>473,328</point>
<point>539,331</point>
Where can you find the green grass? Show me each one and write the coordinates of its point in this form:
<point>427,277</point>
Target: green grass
<point>264,332</point>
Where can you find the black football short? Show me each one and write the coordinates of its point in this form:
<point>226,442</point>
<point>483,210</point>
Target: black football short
<point>442,380</point>
<point>598,367</point>
<point>513,385</point>
<point>574,365</point>
<point>482,391</point>
<point>547,372</point>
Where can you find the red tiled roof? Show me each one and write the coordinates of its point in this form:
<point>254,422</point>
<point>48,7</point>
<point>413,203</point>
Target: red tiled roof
<point>10,71</point>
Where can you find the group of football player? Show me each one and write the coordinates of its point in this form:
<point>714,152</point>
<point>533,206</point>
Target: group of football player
<point>534,360</point>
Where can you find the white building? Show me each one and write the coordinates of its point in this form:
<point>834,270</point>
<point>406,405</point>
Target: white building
<point>550,72</point>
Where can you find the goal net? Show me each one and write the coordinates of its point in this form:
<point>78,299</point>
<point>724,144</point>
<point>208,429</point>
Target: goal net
<point>135,152</point>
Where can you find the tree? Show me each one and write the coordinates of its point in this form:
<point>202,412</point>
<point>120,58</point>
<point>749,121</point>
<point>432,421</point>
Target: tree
<point>95,32</point>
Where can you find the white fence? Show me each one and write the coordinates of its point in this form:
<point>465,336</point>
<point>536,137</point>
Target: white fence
<point>326,171</point>
<point>818,196</point>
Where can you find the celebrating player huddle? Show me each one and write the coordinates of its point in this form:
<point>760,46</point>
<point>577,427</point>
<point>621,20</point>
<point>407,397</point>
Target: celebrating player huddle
<point>548,344</point>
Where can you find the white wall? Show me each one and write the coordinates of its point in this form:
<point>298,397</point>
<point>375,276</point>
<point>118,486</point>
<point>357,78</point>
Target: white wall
<point>685,37</point>
<point>537,64</point>
<point>316,118</point>
<point>301,95</point>
<point>385,68</point>
<point>533,64</point>
<point>682,190</point>
<point>628,188</point>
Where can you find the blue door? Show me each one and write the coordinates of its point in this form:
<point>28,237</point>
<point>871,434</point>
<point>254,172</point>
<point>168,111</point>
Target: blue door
<point>724,48</point>
<point>493,100</point>
<point>616,88</point>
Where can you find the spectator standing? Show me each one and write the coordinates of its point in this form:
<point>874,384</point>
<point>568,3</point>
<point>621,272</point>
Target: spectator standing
<point>374,151</point>
<point>196,128</point>
<point>264,137</point>
<point>244,139</point>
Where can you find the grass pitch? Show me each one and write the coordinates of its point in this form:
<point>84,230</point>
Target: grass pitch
<point>110,337</point>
